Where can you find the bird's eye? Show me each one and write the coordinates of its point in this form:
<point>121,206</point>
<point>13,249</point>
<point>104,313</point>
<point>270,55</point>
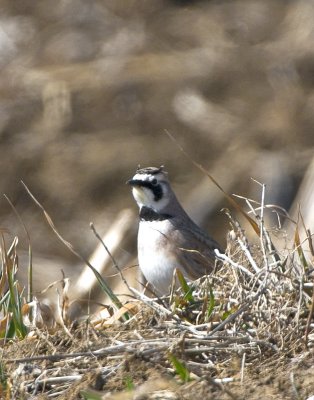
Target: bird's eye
<point>154,181</point>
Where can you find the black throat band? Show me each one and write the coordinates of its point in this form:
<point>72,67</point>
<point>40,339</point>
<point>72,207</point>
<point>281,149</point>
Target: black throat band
<point>148,214</point>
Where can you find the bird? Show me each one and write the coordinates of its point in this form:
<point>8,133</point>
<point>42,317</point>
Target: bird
<point>168,239</point>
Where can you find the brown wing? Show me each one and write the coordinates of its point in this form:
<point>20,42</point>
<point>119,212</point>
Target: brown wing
<point>194,250</point>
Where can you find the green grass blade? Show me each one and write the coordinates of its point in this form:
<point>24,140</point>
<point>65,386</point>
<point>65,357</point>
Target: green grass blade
<point>89,395</point>
<point>180,368</point>
<point>187,290</point>
<point>211,302</point>
<point>14,300</point>
<point>297,243</point>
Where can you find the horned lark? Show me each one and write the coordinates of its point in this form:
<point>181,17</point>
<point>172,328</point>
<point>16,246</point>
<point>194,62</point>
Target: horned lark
<point>167,237</point>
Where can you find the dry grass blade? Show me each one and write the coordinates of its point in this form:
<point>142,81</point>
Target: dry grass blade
<point>100,279</point>
<point>30,253</point>
<point>110,255</point>
<point>226,195</point>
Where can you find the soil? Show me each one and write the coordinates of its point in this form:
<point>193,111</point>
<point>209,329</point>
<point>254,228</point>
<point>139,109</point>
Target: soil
<point>142,374</point>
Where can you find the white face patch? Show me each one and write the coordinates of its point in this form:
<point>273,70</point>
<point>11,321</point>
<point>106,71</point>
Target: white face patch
<point>145,196</point>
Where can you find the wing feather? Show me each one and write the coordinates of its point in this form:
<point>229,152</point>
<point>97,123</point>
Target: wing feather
<point>194,250</point>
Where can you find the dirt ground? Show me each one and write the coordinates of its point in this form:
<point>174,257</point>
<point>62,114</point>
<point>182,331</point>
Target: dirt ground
<point>144,372</point>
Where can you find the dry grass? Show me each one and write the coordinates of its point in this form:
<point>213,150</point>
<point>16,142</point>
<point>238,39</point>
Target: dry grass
<point>252,318</point>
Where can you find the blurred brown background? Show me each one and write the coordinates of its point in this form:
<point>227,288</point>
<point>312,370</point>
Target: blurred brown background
<point>89,87</point>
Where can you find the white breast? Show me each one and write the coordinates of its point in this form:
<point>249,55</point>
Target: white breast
<point>156,260</point>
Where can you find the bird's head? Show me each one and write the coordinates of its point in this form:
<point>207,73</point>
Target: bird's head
<point>151,188</point>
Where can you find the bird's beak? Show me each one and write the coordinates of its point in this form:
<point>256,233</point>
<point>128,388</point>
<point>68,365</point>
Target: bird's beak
<point>133,182</point>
